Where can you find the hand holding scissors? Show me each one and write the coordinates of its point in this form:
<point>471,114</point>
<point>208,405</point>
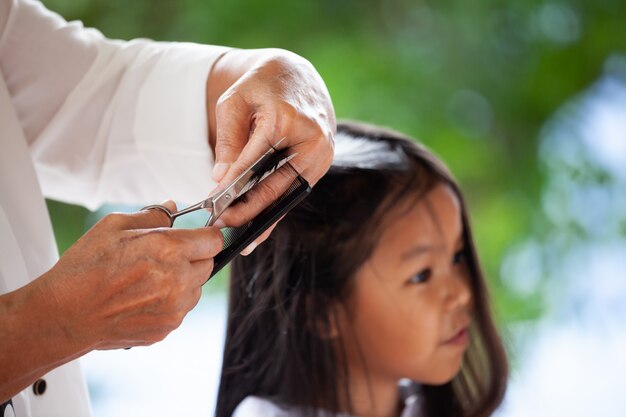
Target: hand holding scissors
<point>217,203</point>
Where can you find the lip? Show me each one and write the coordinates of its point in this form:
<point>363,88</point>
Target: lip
<point>461,338</point>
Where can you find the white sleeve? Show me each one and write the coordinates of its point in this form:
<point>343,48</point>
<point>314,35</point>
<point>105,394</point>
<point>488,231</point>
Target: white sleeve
<point>107,121</point>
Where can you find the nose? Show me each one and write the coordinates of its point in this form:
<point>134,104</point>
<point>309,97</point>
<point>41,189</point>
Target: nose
<point>458,293</point>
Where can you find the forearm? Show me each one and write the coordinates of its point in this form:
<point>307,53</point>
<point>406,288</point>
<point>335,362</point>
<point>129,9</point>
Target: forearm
<point>33,342</point>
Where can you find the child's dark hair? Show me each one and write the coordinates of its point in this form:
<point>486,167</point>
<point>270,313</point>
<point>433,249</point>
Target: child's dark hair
<point>282,295</point>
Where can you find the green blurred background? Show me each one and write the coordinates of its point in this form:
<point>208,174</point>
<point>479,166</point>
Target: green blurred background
<point>474,80</point>
<point>503,91</point>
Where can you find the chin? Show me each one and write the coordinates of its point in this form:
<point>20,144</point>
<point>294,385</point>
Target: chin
<point>444,374</point>
<point>439,380</point>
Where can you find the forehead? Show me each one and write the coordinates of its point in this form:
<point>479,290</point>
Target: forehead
<point>434,220</point>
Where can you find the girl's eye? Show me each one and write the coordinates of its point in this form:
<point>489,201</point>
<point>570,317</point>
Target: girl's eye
<point>420,277</point>
<point>459,257</point>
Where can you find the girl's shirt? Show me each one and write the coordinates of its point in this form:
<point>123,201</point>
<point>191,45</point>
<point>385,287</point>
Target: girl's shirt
<point>261,407</point>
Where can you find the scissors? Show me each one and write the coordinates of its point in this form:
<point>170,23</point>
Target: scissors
<point>216,204</point>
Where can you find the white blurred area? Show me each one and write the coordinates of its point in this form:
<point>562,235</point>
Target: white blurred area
<point>176,377</point>
<point>572,362</point>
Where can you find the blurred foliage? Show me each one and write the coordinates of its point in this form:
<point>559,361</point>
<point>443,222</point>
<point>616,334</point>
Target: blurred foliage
<point>68,223</point>
<point>475,81</point>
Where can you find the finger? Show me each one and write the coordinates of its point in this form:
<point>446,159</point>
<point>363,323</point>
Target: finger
<point>258,198</point>
<point>314,151</point>
<point>262,238</point>
<point>202,271</point>
<point>313,159</point>
<point>144,219</point>
<point>232,119</point>
<point>304,136</point>
<point>196,244</point>
<point>256,144</point>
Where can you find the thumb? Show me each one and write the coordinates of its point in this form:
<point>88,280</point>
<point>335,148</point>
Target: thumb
<point>232,124</point>
<point>150,218</point>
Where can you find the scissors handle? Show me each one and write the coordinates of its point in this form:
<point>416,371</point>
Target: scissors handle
<point>164,209</point>
<point>268,163</point>
<point>172,216</point>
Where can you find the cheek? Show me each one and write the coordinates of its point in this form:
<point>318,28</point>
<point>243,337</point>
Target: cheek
<point>396,332</point>
<point>418,325</point>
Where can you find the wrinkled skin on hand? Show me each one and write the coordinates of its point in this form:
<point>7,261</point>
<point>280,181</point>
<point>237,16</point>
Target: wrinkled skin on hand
<point>282,96</point>
<point>128,281</point>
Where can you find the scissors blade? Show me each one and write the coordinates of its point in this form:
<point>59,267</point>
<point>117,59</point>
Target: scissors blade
<point>262,175</point>
<point>259,171</point>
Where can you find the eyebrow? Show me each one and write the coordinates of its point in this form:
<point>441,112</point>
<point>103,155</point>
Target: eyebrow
<point>419,250</point>
<point>416,252</point>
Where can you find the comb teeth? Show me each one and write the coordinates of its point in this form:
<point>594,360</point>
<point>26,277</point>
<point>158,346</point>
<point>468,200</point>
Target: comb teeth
<point>238,238</point>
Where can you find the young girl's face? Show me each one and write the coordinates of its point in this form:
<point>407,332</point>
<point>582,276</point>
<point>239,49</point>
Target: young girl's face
<point>409,311</point>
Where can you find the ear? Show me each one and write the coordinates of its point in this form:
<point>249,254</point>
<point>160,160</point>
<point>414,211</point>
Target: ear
<point>325,326</point>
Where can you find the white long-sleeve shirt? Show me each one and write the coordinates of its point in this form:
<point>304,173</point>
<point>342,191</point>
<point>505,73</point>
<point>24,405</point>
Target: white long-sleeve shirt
<point>88,120</point>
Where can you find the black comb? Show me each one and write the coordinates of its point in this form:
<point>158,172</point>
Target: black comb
<point>238,238</point>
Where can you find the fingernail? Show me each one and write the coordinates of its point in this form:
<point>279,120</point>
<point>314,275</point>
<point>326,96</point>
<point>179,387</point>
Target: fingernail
<point>249,249</point>
<point>219,223</point>
<point>219,170</point>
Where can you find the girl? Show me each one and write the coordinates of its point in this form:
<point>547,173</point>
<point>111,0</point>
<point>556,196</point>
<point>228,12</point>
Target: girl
<point>367,299</point>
